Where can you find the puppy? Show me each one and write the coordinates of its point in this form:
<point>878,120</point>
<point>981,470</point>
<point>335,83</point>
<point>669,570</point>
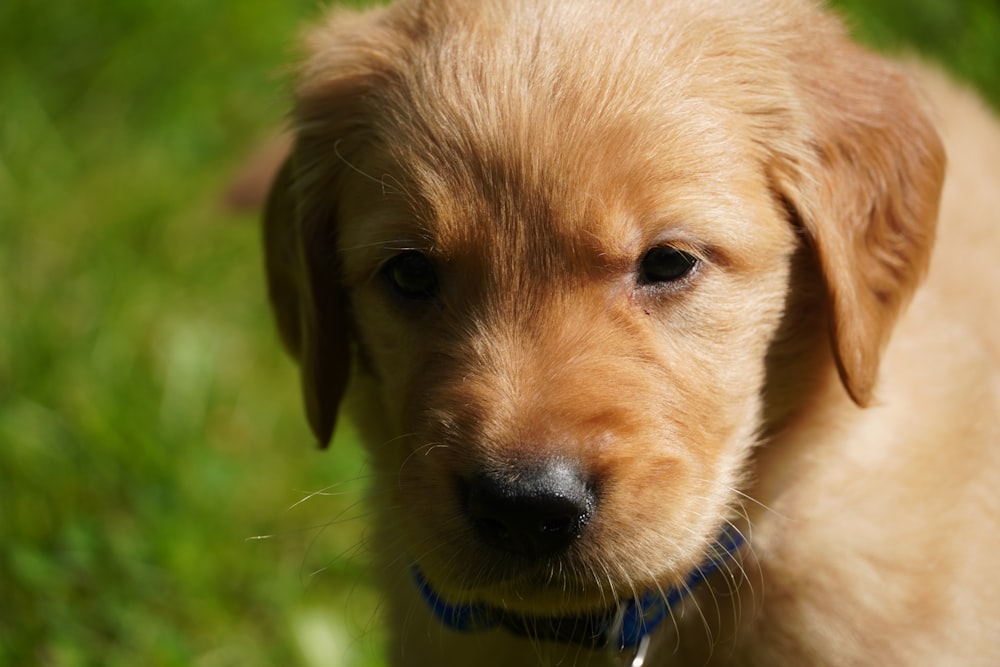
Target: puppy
<point>627,293</point>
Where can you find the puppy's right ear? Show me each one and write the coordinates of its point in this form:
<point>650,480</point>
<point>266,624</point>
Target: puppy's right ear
<point>348,54</point>
<point>308,304</point>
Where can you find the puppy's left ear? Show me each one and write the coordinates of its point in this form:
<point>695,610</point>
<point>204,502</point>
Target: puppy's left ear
<point>864,181</point>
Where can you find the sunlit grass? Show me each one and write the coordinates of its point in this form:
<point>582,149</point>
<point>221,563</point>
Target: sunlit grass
<point>152,448</point>
<point>149,423</point>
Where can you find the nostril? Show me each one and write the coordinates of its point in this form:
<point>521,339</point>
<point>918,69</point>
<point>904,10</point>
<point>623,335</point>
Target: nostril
<point>534,511</point>
<point>557,525</point>
<point>486,524</point>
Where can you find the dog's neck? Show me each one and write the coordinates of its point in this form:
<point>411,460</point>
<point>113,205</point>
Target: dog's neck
<point>625,626</point>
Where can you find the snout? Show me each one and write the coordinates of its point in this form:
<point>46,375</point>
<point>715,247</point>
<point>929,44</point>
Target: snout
<point>534,511</point>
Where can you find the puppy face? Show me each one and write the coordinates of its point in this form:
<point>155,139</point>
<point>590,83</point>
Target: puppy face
<point>615,324</point>
<point>572,285</point>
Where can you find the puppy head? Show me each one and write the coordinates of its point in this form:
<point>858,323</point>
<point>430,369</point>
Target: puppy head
<point>565,277</point>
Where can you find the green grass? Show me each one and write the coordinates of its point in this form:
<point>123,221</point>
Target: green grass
<point>149,423</point>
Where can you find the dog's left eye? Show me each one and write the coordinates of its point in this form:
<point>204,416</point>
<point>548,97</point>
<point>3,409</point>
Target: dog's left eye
<point>665,264</point>
<point>411,275</point>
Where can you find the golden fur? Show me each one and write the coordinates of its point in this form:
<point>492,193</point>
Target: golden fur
<point>792,385</point>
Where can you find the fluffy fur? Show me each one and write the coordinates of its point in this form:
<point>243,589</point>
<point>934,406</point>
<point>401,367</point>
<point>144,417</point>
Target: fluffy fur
<point>791,385</point>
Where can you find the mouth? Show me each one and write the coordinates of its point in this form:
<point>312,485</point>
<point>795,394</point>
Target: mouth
<point>621,623</point>
<point>545,537</point>
<point>524,585</point>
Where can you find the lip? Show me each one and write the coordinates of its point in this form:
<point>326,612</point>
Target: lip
<point>540,592</point>
<point>531,593</point>
<point>622,624</point>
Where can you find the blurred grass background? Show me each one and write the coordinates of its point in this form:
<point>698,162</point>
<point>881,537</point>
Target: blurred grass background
<point>152,449</point>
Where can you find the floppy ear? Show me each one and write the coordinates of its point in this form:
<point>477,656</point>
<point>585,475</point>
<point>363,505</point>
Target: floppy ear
<point>308,304</point>
<point>346,54</point>
<point>865,188</point>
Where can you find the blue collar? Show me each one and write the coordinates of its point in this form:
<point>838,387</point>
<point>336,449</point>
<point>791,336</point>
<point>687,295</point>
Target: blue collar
<point>625,625</point>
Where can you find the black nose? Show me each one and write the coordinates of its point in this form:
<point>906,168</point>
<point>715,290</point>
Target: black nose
<point>531,511</point>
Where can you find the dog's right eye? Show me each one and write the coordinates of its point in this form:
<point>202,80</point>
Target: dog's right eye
<point>411,275</point>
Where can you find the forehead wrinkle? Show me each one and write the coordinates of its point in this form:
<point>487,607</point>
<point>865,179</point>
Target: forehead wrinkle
<point>536,207</point>
<point>533,212</point>
<point>526,173</point>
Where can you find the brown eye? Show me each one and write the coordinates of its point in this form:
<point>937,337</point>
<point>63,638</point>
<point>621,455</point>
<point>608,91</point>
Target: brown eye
<point>665,264</point>
<point>411,276</point>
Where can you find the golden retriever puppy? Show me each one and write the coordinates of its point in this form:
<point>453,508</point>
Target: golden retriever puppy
<point>630,297</point>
